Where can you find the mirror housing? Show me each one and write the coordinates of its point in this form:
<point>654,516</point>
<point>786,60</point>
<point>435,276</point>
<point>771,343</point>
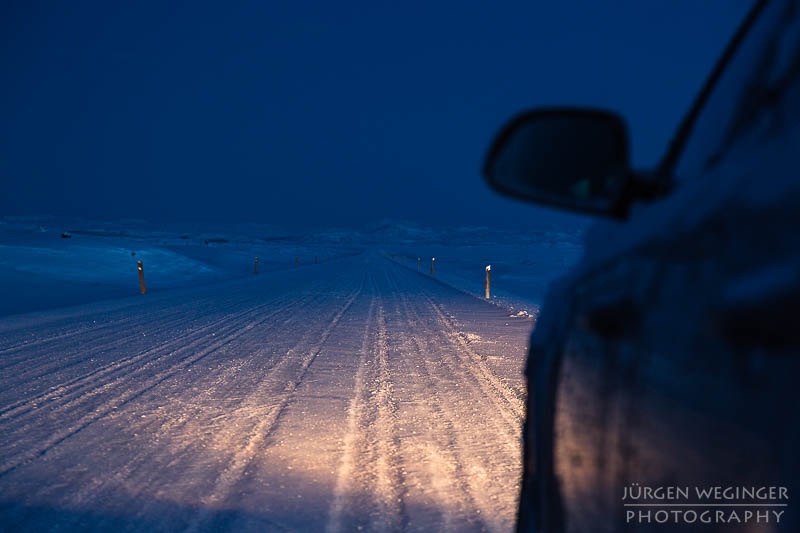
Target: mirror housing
<point>566,157</point>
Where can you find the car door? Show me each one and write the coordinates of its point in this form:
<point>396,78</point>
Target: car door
<point>670,359</point>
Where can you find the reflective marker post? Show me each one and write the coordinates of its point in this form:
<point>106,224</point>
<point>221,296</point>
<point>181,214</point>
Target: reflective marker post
<point>255,266</point>
<point>433,265</point>
<point>487,285</point>
<point>419,264</point>
<point>140,267</point>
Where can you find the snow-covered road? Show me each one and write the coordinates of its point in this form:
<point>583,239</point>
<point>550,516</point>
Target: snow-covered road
<point>345,396</point>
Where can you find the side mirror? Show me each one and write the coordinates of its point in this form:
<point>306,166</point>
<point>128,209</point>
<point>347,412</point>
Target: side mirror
<point>571,158</point>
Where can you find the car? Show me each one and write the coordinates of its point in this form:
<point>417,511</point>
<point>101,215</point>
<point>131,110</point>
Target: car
<point>663,370</point>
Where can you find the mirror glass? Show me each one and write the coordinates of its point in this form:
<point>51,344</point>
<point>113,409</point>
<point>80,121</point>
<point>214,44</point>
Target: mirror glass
<point>572,158</point>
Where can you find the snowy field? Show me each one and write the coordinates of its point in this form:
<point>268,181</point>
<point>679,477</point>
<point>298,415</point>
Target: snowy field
<point>41,270</point>
<point>351,393</point>
<point>522,264</point>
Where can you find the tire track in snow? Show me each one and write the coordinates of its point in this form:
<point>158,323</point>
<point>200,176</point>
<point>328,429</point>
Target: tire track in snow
<point>244,456</point>
<point>494,386</point>
<point>368,461</point>
<point>66,322</point>
<point>70,330</point>
<point>508,403</point>
<point>389,480</point>
<point>251,407</point>
<point>233,328</point>
<point>112,320</point>
<point>484,435</point>
<point>97,342</point>
<point>346,469</point>
<point>74,387</point>
<point>85,326</point>
<point>437,447</point>
<point>155,332</point>
<point>100,342</point>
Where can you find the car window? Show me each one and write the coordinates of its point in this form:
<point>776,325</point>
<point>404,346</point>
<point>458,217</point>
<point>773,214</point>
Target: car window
<point>759,70</point>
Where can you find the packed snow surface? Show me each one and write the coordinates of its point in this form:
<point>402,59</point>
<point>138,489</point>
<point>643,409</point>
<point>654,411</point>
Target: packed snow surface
<point>352,394</point>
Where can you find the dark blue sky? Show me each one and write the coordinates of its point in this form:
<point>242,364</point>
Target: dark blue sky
<point>320,113</point>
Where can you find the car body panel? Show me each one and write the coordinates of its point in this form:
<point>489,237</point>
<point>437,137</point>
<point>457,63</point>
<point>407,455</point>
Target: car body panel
<point>669,355</point>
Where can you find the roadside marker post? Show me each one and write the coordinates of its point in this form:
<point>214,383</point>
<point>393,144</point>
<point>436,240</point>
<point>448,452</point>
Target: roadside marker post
<point>486,288</point>
<point>140,268</point>
<point>419,264</point>
<point>433,266</point>
<point>255,266</point>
